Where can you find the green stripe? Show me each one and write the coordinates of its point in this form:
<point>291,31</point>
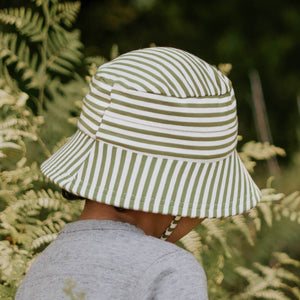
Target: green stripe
<point>131,80</point>
<point>146,185</point>
<point>157,183</point>
<point>87,127</point>
<point>173,73</point>
<point>203,187</point>
<point>99,88</point>
<point>167,153</point>
<point>176,102</point>
<point>164,77</point>
<point>176,186</point>
<point>166,81</point>
<point>171,122</point>
<point>212,186</point>
<point>152,82</point>
<point>164,196</point>
<point>167,135</point>
<point>137,180</point>
<point>175,113</point>
<point>100,175</point>
<point>224,177</point>
<point>196,186</point>
<point>164,144</point>
<point>97,105</point>
<point>128,179</point>
<point>110,171</point>
<point>186,185</point>
<point>119,174</point>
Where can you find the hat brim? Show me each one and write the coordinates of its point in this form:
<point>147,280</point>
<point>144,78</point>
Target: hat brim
<point>134,180</point>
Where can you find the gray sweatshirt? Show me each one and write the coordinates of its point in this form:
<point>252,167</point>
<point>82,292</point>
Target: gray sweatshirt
<point>104,259</point>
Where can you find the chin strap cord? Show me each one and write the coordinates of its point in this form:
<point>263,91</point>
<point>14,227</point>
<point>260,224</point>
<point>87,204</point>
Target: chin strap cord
<point>171,228</point>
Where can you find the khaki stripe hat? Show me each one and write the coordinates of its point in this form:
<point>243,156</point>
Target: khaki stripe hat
<point>157,133</point>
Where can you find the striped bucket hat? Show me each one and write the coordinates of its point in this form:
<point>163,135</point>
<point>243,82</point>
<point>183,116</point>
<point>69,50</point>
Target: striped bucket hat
<point>157,133</point>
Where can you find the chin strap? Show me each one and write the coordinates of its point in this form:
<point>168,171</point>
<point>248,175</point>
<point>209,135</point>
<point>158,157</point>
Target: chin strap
<point>170,229</point>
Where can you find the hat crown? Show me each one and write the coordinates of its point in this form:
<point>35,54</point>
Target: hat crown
<point>165,71</point>
<point>162,101</point>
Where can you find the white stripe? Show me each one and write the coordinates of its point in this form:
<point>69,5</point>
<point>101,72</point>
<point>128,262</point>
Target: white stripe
<point>169,200</point>
<point>242,194</point>
<point>175,56</point>
<point>86,180</point>
<point>98,164</point>
<point>108,198</point>
<point>197,200</point>
<point>123,80</point>
<point>215,100</point>
<point>222,189</point>
<point>180,188</point>
<point>133,176</point>
<point>151,138</point>
<point>235,188</point>
<point>174,65</point>
<point>188,199</point>
<point>162,184</point>
<point>96,116</point>
<point>230,185</point>
<point>178,92</point>
<point>216,182</point>
<point>167,86</point>
<point>172,151</point>
<point>166,108</point>
<point>96,102</point>
<point>206,189</point>
<point>128,76</point>
<point>123,178</point>
<point>57,156</point>
<point>99,83</point>
<point>104,174</point>
<point>151,185</point>
<point>196,64</point>
<point>217,127</point>
<point>139,191</point>
<point>194,134</point>
<point>162,62</point>
<point>64,162</point>
<point>178,69</point>
<point>140,74</point>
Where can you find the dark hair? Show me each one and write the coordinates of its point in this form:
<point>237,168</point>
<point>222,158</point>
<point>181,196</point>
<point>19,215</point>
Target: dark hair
<point>70,196</point>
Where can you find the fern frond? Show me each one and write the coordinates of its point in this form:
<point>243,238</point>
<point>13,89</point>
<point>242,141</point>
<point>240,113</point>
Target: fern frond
<point>261,151</point>
<point>214,230</point>
<point>18,54</point>
<point>67,12</point>
<point>284,259</point>
<point>26,21</point>
<point>192,243</point>
<point>270,294</point>
<point>241,225</point>
<point>64,53</point>
<point>43,240</point>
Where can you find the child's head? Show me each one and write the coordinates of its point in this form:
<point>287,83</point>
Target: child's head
<point>157,133</point>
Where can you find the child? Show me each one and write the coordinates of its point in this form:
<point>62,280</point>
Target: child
<point>154,154</point>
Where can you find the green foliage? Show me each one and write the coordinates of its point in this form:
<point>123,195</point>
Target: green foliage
<point>37,47</point>
<point>39,51</point>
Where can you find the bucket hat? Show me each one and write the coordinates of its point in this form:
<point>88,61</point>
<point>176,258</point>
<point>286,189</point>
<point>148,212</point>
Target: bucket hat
<point>157,133</point>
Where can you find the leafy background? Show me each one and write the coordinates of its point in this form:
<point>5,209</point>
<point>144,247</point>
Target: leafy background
<point>45,66</point>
